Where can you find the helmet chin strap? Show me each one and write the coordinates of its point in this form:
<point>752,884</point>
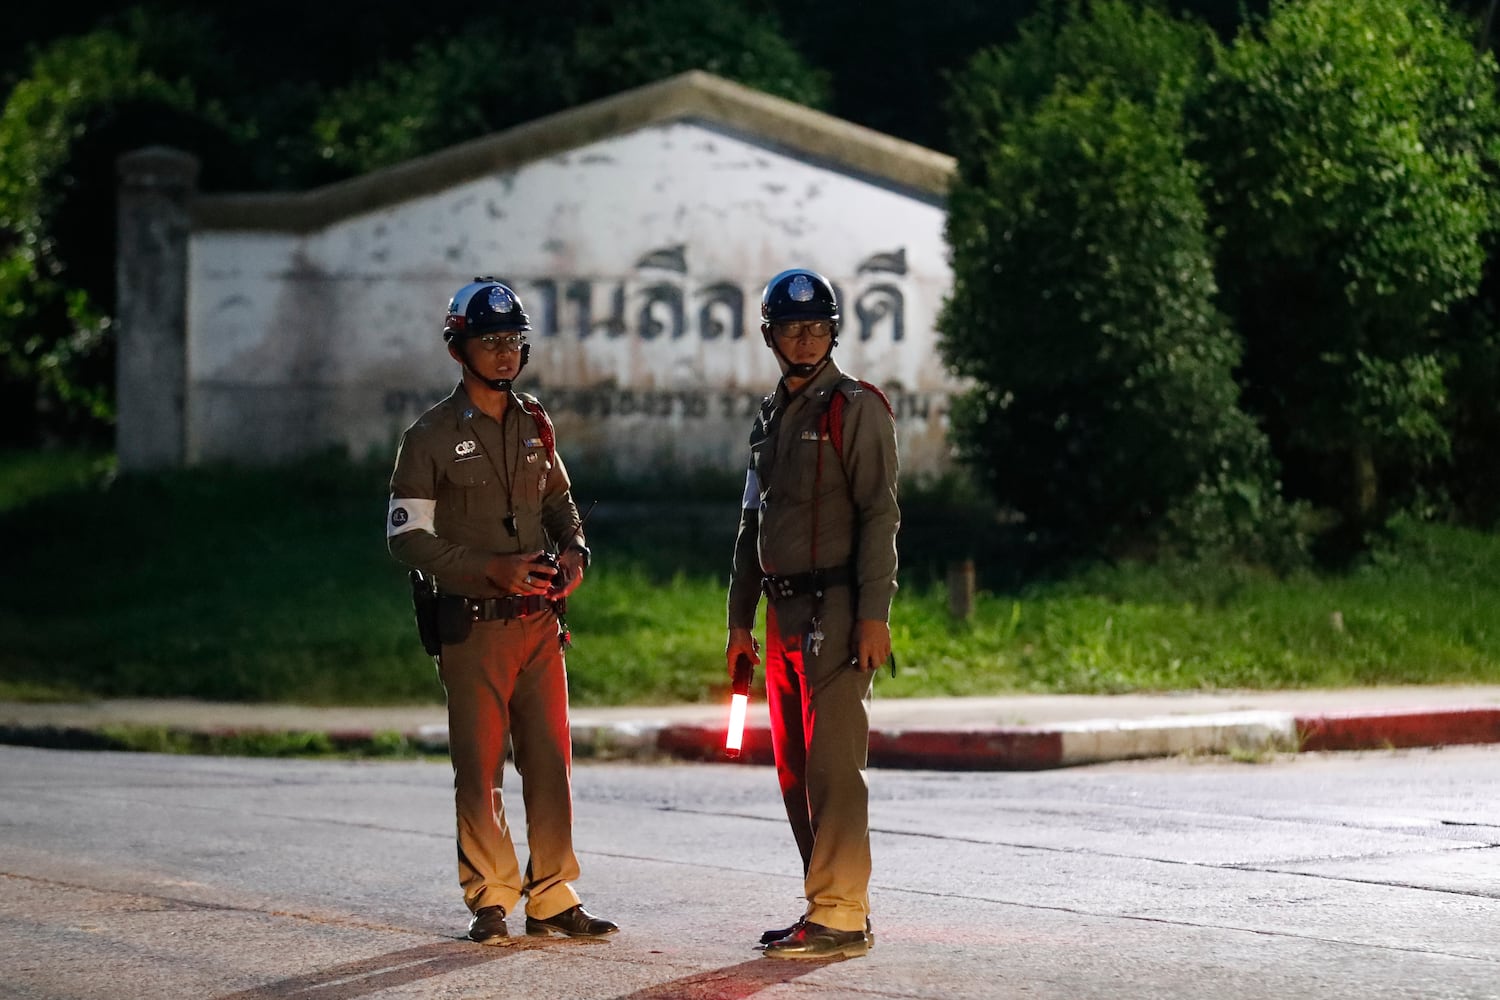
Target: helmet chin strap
<point>802,371</point>
<point>498,384</point>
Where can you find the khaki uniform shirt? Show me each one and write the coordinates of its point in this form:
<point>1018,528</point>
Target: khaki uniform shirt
<point>806,508</point>
<point>458,475</point>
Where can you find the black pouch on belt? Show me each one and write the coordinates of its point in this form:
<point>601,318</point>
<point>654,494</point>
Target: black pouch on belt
<point>454,619</point>
<point>424,604</point>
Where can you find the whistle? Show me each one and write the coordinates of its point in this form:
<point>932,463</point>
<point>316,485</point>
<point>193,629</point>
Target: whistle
<point>739,702</point>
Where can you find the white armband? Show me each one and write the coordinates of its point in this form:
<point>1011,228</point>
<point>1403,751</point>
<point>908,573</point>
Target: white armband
<point>410,515</point>
<point>751,499</point>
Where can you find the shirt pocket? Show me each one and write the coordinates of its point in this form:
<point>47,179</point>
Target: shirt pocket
<point>461,489</point>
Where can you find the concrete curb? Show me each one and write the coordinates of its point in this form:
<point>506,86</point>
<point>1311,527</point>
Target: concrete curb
<point>961,748</point>
<point>1092,741</point>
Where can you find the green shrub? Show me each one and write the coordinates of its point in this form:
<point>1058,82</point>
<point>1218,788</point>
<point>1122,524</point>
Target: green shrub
<point>1350,152</point>
<point>1104,409</point>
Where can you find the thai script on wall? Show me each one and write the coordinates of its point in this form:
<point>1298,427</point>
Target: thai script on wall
<point>668,307</point>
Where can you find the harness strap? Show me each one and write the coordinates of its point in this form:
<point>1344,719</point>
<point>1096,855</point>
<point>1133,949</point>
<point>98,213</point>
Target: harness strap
<point>543,425</point>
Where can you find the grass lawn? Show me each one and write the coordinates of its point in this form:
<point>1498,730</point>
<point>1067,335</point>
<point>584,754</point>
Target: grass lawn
<point>274,585</point>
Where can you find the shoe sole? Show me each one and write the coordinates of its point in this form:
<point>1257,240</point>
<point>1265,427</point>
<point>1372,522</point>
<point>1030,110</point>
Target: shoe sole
<point>869,942</point>
<point>857,949</point>
<point>491,940</point>
<point>545,931</point>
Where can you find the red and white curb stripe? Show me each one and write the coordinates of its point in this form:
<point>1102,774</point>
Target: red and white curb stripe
<point>1038,747</point>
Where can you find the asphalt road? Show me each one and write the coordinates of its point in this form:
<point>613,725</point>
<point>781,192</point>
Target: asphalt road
<point>1327,876</point>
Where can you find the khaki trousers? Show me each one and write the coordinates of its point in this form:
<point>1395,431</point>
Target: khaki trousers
<point>820,732</point>
<point>505,681</point>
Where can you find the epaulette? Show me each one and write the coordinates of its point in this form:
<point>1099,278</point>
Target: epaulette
<point>831,425</point>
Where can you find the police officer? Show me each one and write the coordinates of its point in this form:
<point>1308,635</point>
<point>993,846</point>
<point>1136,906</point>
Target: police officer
<point>818,534</point>
<point>479,498</point>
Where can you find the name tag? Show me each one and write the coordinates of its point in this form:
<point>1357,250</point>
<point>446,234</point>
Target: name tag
<point>532,442</point>
<point>813,436</point>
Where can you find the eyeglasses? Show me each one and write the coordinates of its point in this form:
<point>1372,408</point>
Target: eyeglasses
<point>814,329</point>
<point>495,343</point>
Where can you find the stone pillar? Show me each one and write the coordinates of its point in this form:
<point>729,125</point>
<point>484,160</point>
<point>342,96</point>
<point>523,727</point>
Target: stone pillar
<point>151,279</point>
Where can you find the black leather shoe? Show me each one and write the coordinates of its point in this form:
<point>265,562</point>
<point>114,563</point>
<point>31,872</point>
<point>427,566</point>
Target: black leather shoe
<point>488,924</point>
<point>816,941</point>
<point>574,922</point>
<point>776,934</point>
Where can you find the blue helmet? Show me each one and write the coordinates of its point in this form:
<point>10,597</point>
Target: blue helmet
<point>484,305</point>
<point>799,294</point>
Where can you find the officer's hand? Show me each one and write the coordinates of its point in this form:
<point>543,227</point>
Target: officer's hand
<point>569,573</point>
<point>524,573</point>
<point>872,643</point>
<point>741,640</point>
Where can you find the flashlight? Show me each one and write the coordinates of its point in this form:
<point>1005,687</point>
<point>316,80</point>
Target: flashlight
<point>738,703</point>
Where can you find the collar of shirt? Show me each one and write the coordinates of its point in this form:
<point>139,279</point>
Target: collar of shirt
<point>818,388</point>
<point>464,410</point>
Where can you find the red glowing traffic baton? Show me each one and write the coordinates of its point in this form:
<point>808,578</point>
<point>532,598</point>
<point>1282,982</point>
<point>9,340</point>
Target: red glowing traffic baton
<point>738,703</point>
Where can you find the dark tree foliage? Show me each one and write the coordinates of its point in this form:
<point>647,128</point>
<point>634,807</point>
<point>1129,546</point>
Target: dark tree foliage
<point>1350,152</point>
<point>86,100</point>
<point>487,78</point>
<point>1104,409</point>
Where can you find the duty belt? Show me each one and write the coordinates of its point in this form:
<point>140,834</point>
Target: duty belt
<point>488,609</point>
<point>812,582</point>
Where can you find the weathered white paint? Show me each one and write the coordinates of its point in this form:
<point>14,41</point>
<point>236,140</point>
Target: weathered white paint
<point>301,340</point>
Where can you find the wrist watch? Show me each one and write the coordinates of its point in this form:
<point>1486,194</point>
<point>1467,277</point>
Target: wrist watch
<point>588,557</point>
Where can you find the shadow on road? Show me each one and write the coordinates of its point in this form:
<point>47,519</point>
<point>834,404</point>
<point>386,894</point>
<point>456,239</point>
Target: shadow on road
<point>371,975</point>
<point>733,982</point>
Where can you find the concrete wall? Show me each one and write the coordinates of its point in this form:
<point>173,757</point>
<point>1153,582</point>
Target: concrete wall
<point>641,260</point>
